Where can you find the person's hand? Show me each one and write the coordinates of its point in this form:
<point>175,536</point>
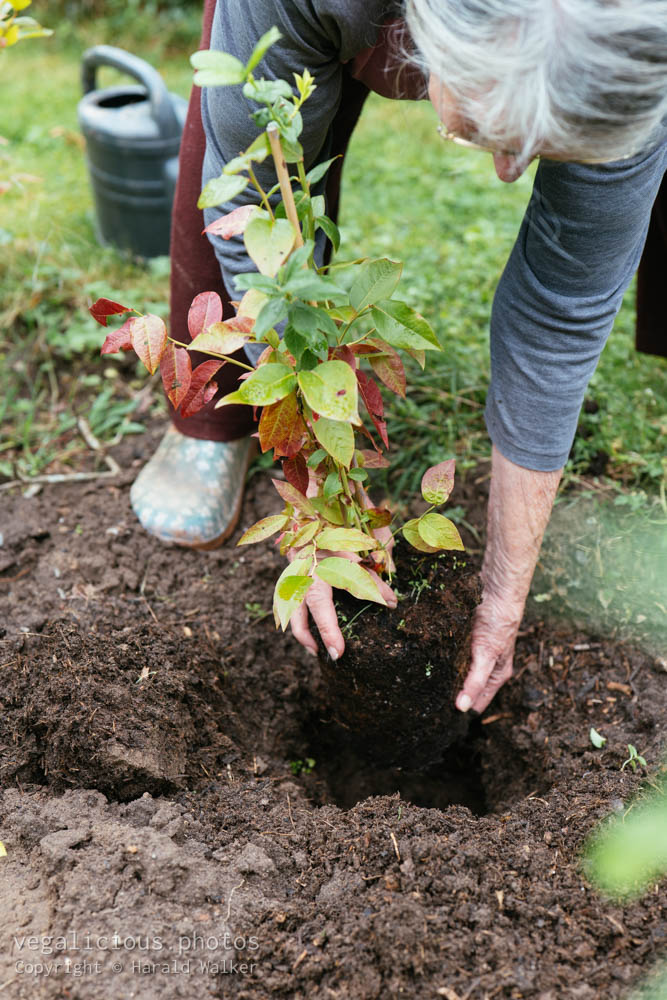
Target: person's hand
<point>520,505</point>
<point>319,601</point>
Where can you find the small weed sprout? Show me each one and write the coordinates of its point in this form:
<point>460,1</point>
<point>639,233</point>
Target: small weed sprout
<point>299,766</point>
<point>634,759</point>
<point>256,611</point>
<point>429,669</point>
<point>596,739</point>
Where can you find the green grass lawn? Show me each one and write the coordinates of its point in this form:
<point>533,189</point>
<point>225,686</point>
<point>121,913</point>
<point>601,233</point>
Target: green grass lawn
<point>406,194</point>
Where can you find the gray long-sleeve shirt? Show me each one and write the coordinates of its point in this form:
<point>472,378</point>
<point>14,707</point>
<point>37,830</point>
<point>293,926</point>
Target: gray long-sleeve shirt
<point>577,249</point>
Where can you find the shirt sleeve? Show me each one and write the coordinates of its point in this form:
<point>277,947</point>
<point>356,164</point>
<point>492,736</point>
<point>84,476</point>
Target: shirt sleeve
<point>579,245</point>
<point>316,34</point>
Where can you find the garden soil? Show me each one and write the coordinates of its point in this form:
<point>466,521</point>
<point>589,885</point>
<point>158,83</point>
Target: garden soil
<point>184,816</point>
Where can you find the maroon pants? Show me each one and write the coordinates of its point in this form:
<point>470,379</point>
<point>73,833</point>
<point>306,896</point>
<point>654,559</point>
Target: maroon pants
<point>195,268</point>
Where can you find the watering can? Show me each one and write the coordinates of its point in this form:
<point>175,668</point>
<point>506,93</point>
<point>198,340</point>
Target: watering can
<point>132,134</point>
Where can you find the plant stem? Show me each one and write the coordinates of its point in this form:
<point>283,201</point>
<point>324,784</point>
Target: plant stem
<point>310,218</point>
<point>283,178</point>
<point>225,357</point>
<point>262,194</point>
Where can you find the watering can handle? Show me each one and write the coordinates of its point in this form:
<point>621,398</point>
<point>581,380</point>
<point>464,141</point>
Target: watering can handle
<point>162,109</point>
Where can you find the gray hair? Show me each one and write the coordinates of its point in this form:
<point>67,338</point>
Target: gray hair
<point>587,78</point>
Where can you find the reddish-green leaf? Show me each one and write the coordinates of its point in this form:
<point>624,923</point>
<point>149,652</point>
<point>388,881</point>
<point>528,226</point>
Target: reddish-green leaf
<point>176,371</point>
<point>120,339</point>
<point>373,460</point>
<point>296,472</point>
<point>350,576</point>
<point>206,308</point>
<point>346,539</point>
<point>232,224</point>
<point>263,529</point>
<point>389,369</point>
<point>104,308</point>
<point>411,534</point>
<point>149,339</point>
<point>439,531</point>
<point>219,338</point>
<point>294,497</point>
<point>379,517</point>
<point>282,428</point>
<point>305,534</point>
<point>438,482</point>
<point>201,389</point>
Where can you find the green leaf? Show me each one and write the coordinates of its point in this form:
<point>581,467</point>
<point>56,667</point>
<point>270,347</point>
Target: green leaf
<point>305,534</point>
<point>271,313</point>
<point>411,534</point>
<point>266,91</point>
<point>596,739</point>
<point>258,282</point>
<point>331,390</point>
<point>291,150</point>
<point>309,320</point>
<point>401,326</point>
<point>268,242</point>
<point>358,475</point>
<point>337,439</point>
<point>256,152</point>
<point>438,482</point>
<point>297,261</point>
<point>216,69</point>
<point>221,189</point>
<point>439,532</point>
<point>376,280</point>
<point>261,48</point>
<point>332,486</point>
<point>308,285</point>
<point>263,529</point>
<point>267,384</point>
<point>348,539</point>
<point>316,458</point>
<point>318,205</point>
<point>346,575</point>
<point>318,171</point>
<point>288,596</point>
<point>331,229</point>
<point>329,511</point>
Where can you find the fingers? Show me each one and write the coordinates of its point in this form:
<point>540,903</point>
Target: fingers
<point>493,638</point>
<point>300,630</point>
<point>486,676</point>
<point>319,601</point>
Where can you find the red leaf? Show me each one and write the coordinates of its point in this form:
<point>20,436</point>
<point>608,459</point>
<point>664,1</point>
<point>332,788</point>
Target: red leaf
<point>370,394</point>
<point>206,308</point>
<point>242,324</point>
<point>373,460</point>
<point>345,354</point>
<point>120,339</point>
<point>107,307</point>
<point>176,371</point>
<point>232,224</point>
<point>296,472</point>
<point>373,400</point>
<point>282,428</point>
<point>438,482</point>
<point>294,497</point>
<point>149,339</point>
<point>389,369</point>
<point>200,392</point>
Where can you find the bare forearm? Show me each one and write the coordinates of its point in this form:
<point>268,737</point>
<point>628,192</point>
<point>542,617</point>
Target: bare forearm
<point>520,504</point>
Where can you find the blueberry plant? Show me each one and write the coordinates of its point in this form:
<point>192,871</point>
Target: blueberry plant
<point>340,338</point>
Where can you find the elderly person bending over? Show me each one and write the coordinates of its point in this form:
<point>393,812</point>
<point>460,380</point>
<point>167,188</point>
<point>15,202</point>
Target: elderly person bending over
<point>579,84</point>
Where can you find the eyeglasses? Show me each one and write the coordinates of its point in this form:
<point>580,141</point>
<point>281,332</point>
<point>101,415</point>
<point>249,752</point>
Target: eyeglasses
<point>458,140</point>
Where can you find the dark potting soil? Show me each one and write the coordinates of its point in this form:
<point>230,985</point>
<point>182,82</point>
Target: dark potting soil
<point>181,814</point>
<point>391,694</point>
